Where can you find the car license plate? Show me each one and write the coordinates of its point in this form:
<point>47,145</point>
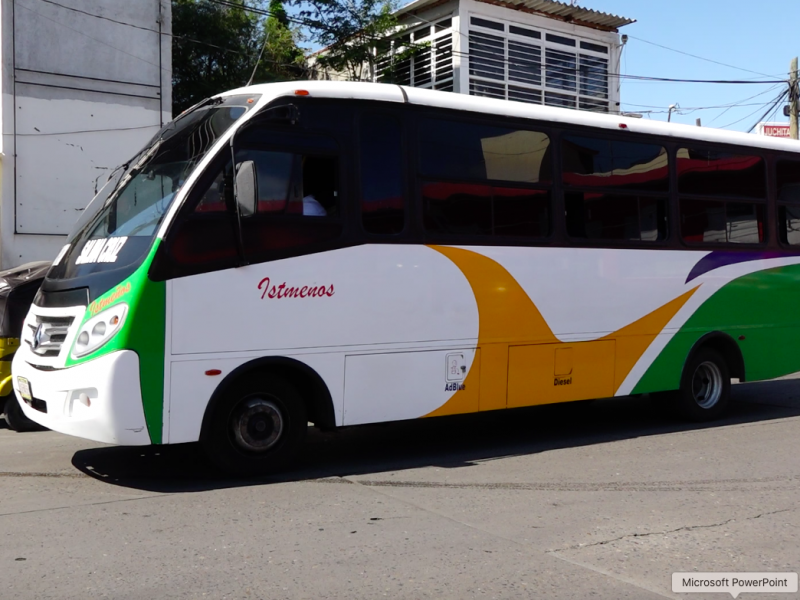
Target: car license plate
<point>24,388</point>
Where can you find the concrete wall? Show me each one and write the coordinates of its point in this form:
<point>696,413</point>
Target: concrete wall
<point>85,83</point>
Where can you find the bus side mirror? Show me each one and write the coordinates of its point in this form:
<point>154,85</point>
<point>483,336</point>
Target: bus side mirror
<point>245,189</point>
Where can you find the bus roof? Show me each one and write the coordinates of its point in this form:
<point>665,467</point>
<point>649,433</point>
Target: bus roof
<point>424,97</point>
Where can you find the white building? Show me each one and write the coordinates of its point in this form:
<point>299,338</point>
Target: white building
<point>85,83</point>
<point>538,51</point>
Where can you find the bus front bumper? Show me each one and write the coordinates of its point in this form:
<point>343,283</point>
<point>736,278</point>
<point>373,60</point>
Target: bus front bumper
<point>99,400</point>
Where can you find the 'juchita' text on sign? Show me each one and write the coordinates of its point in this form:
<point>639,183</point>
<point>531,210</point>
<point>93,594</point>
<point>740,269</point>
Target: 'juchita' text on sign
<point>101,303</point>
<point>101,251</point>
<point>286,291</point>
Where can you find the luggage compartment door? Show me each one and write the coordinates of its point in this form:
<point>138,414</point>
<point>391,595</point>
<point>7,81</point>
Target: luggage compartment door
<point>549,373</point>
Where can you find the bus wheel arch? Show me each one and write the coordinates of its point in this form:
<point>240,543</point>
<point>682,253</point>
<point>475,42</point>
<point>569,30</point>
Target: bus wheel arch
<point>312,388</point>
<point>726,346</point>
<point>257,417</point>
<point>704,393</point>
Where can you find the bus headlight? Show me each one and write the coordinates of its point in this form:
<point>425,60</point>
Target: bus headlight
<point>99,329</point>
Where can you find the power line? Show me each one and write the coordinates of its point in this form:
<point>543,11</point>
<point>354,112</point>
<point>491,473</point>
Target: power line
<point>120,50</point>
<point>262,12</point>
<point>727,109</point>
<point>46,133</point>
<point>171,35</point>
<point>769,110</point>
<point>620,75</point>
<point>729,105</point>
<point>164,33</point>
<point>578,70</point>
<point>96,16</point>
<point>771,105</point>
<point>689,110</point>
<point>716,62</point>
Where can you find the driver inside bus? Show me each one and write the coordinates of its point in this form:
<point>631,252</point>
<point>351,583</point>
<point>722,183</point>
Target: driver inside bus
<point>319,186</point>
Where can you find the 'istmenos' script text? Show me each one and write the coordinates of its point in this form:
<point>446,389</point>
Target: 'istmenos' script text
<point>284,290</point>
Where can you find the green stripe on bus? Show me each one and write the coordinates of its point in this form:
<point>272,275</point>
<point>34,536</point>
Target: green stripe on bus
<point>143,332</point>
<point>764,307</point>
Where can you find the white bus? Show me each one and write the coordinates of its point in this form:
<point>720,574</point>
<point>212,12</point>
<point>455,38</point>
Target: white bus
<point>341,253</point>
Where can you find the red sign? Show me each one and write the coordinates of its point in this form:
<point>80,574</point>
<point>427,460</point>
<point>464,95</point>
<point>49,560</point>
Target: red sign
<point>780,131</point>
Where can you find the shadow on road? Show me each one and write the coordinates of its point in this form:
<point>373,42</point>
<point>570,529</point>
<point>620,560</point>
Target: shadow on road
<point>444,442</point>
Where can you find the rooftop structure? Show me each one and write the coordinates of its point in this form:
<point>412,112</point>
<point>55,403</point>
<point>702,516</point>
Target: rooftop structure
<point>534,51</point>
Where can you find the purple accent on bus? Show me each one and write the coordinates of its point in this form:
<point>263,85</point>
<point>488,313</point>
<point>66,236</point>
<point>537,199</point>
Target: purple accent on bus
<point>721,258</point>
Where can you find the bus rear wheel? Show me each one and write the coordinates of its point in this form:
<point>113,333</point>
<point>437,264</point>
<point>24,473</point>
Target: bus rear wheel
<point>705,386</point>
<point>257,427</point>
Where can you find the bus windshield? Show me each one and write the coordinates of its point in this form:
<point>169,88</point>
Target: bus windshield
<point>121,228</point>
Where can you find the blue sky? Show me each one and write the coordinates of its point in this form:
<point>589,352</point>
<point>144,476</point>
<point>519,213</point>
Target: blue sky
<point>760,36</point>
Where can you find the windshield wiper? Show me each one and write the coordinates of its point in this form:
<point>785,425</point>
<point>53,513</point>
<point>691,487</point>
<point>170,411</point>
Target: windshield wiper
<point>141,160</point>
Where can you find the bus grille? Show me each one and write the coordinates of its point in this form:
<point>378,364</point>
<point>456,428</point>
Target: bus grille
<point>48,334</point>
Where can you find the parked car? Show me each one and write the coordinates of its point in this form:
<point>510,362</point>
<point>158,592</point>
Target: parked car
<point>18,286</point>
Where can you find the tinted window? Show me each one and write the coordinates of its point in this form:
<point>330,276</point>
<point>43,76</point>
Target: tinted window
<point>206,237</point>
<point>720,173</point>
<point>218,194</point>
<point>599,216</point>
<point>297,206</point>
<point>382,202</point>
<point>289,183</point>
<point>298,201</point>
<point>707,221</point>
<point>788,176</point>
<point>788,180</point>
<point>483,210</point>
<point>465,151</point>
<point>607,163</point>
<point>789,221</point>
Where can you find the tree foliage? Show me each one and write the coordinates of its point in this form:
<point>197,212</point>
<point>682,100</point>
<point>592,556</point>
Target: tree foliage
<point>349,31</point>
<point>216,46</point>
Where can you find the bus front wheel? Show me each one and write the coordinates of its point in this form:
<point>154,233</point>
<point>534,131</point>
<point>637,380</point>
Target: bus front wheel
<point>705,386</point>
<point>15,418</point>
<point>257,426</point>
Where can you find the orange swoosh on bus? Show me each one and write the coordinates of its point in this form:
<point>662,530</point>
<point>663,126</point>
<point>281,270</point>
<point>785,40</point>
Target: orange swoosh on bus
<point>509,318</point>
<point>632,340</point>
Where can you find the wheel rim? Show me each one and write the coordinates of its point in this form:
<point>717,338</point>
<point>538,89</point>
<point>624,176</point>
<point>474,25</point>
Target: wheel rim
<point>257,424</point>
<point>707,384</point>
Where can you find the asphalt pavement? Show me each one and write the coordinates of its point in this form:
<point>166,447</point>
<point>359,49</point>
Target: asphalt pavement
<point>597,500</point>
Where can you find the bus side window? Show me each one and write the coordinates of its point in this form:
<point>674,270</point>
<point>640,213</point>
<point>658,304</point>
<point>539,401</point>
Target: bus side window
<point>382,198</point>
<point>717,173</point>
<point>204,238</point>
<point>214,198</point>
<point>615,190</point>
<point>484,181</point>
<point>710,221</point>
<point>722,197</point>
<point>788,179</point>
<point>297,202</point>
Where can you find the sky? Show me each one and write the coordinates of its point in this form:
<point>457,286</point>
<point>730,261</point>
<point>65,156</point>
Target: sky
<point>757,38</point>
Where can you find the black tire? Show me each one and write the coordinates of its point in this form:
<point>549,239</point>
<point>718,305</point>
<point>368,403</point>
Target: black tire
<point>705,387</point>
<point>16,419</point>
<point>257,427</point>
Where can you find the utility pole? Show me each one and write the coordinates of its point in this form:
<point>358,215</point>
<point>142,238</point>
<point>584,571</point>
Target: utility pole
<point>793,99</point>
